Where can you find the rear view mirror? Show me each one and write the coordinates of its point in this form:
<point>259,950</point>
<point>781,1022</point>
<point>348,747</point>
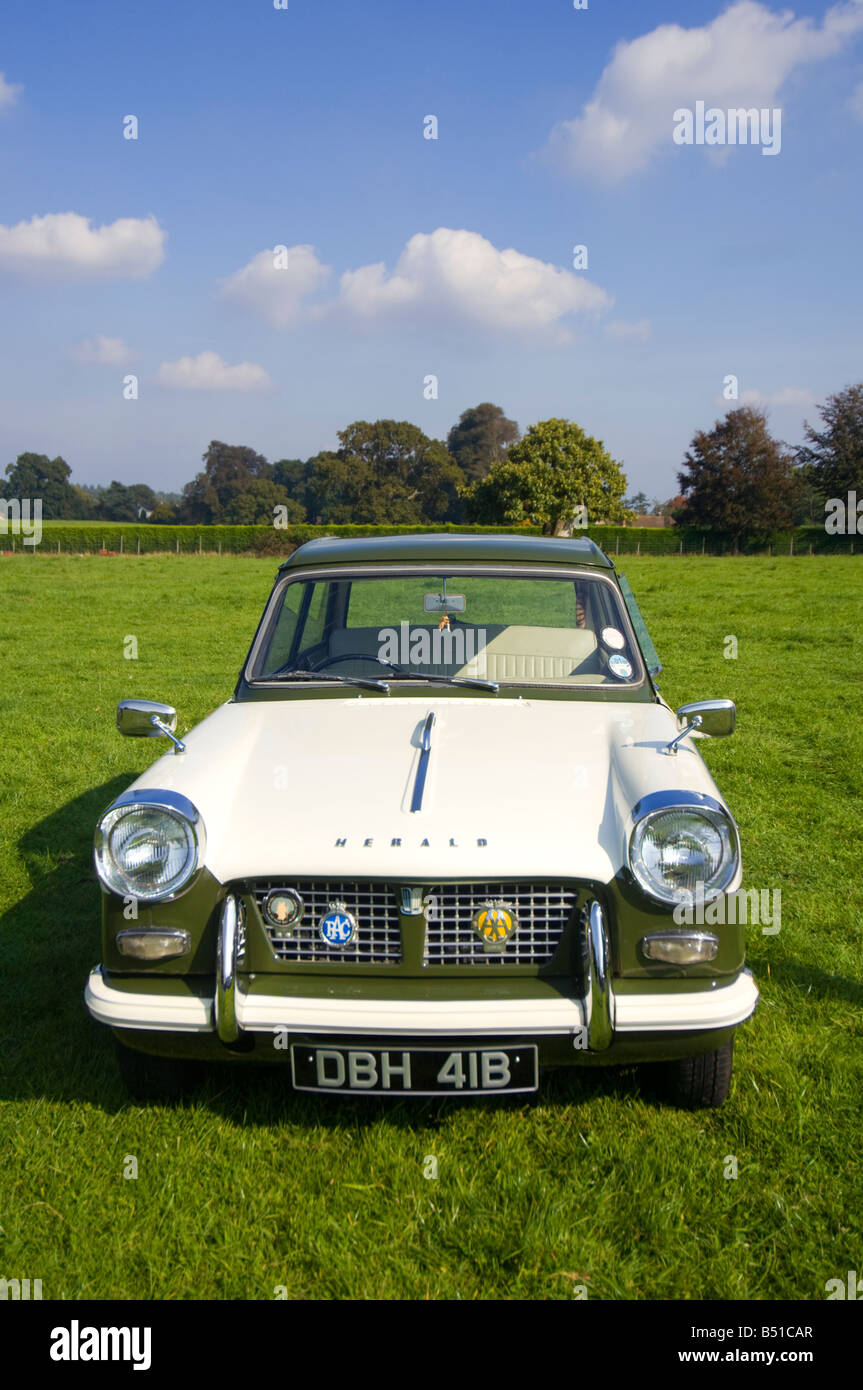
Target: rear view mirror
<point>444,603</point>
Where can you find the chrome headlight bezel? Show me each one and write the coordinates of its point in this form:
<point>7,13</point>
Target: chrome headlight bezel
<point>698,805</point>
<point>170,803</point>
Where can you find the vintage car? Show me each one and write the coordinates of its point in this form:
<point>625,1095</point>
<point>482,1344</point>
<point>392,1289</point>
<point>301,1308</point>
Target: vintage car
<point>439,838</point>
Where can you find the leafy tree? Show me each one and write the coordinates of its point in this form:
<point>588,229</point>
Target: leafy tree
<point>36,477</point>
<point>164,514</point>
<point>737,478</point>
<point>482,436</point>
<point>639,502</point>
<point>554,470</point>
<point>387,471</point>
<point>832,461</point>
<point>257,505</point>
<point>119,502</point>
<point>229,470</point>
<point>292,475</point>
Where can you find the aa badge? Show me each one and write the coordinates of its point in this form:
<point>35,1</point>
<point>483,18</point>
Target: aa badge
<point>495,925</point>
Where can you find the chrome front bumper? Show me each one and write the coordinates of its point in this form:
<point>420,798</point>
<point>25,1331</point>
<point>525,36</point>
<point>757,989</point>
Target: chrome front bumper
<point>597,1016</point>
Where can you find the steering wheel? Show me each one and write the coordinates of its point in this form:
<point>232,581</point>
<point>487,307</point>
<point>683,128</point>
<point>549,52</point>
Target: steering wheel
<point>358,656</point>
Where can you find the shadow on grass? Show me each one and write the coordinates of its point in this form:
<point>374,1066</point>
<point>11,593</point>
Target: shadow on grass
<point>52,1049</point>
<point>264,1096</point>
<point>49,942</point>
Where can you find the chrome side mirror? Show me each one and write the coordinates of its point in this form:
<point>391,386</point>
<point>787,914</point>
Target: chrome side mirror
<point>148,719</point>
<point>716,718</point>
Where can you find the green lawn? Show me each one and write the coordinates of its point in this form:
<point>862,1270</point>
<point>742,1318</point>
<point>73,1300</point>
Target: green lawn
<point>248,1187</point>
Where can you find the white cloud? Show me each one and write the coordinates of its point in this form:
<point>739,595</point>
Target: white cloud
<point>786,395</point>
<point>63,246</point>
<point>210,372</point>
<point>638,331</point>
<point>855,101</point>
<point>8,92</point>
<point>460,276</point>
<point>740,59</point>
<point>275,283</point>
<point>101,352</point>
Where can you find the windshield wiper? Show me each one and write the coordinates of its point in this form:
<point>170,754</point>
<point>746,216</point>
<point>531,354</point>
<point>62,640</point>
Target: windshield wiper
<point>366,682</point>
<point>474,682</point>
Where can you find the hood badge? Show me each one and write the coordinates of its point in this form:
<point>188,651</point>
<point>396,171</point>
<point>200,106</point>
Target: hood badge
<point>495,923</point>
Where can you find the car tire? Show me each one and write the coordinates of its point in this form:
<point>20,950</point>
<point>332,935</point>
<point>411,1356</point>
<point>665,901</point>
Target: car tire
<point>154,1078</point>
<point>695,1083</point>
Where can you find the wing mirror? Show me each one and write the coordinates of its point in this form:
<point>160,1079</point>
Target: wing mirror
<point>716,718</point>
<point>148,719</point>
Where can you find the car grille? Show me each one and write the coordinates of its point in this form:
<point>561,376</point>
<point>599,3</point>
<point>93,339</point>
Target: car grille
<point>374,905</point>
<point>542,910</point>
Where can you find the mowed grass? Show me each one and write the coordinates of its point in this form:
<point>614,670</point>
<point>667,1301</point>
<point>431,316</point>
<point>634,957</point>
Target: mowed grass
<point>248,1187</point>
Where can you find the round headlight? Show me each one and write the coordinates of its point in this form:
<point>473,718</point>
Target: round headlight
<point>672,852</point>
<point>147,851</point>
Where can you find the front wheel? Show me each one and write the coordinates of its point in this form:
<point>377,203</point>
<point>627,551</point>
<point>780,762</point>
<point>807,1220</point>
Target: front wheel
<point>701,1081</point>
<point>150,1078</point>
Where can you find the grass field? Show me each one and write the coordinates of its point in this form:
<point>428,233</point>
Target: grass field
<point>248,1187</point>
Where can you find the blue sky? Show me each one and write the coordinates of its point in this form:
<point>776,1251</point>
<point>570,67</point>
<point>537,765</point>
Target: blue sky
<point>303,128</point>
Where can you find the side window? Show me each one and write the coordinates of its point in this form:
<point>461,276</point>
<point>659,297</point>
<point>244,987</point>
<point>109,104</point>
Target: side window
<point>300,625</point>
<point>651,658</point>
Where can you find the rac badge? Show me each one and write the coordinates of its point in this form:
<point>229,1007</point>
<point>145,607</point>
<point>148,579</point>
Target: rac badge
<point>495,925</point>
<point>338,927</point>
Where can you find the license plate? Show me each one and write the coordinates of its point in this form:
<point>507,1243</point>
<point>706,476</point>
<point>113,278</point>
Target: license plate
<point>418,1071</point>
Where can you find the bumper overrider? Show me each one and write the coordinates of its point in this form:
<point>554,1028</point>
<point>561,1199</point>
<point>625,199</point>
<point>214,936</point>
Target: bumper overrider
<point>594,1021</point>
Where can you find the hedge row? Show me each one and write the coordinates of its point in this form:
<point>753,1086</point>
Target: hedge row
<point>140,538</point>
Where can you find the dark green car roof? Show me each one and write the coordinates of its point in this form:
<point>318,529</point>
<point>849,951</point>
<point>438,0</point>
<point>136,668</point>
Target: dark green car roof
<point>446,548</point>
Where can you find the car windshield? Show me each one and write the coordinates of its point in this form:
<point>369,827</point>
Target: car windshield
<point>501,628</point>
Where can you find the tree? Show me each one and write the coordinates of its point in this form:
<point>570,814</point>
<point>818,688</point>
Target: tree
<point>832,461</point>
<point>229,470</point>
<point>387,471</point>
<point>639,502</point>
<point>737,478</point>
<point>292,475</point>
<point>482,436</point>
<point>256,506</point>
<point>119,502</point>
<point>38,478</point>
<point>552,472</point>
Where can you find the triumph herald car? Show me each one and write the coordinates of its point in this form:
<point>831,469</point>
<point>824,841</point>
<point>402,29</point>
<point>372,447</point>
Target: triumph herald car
<point>443,836</point>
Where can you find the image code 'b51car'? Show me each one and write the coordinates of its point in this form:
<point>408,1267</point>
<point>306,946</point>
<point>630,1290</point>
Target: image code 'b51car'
<point>434,842</point>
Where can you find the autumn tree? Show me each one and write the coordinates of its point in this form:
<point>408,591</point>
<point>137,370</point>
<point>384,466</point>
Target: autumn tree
<point>737,478</point>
